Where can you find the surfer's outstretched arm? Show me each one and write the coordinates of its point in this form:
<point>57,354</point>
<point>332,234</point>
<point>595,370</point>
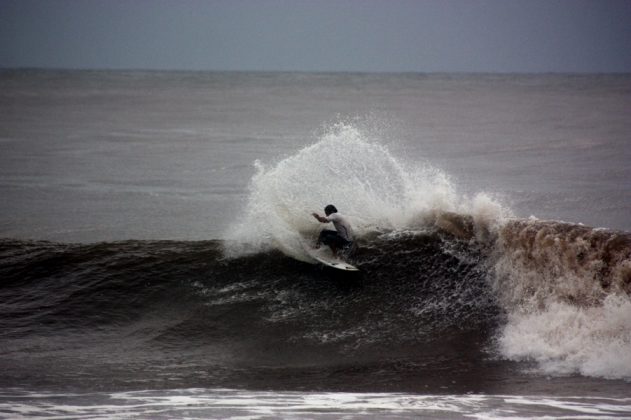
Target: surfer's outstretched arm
<point>320,218</point>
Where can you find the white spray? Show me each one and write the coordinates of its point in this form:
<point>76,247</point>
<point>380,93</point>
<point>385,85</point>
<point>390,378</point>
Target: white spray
<point>364,181</point>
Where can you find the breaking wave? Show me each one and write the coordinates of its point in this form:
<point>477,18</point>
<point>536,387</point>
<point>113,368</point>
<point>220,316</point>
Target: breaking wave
<point>564,288</point>
<point>436,267</point>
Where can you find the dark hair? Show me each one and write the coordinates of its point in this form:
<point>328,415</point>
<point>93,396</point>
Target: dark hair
<point>330,209</point>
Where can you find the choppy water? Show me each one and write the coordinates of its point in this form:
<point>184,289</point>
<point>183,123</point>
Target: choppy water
<point>151,264</point>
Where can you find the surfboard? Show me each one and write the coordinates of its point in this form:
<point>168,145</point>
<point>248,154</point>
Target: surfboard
<point>323,255</point>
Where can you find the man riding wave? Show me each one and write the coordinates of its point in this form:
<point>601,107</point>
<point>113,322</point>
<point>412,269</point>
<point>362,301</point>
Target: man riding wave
<point>341,237</point>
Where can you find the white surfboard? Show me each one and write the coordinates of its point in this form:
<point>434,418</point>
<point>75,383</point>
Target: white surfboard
<point>323,255</point>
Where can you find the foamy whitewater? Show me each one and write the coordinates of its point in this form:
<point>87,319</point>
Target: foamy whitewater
<point>152,266</point>
<point>566,292</point>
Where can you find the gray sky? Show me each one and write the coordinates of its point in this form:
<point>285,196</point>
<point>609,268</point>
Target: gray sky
<point>319,35</point>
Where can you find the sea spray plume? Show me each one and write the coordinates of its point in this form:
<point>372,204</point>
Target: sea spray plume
<point>566,290</point>
<point>369,185</point>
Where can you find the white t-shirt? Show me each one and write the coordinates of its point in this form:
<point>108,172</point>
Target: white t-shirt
<point>341,225</point>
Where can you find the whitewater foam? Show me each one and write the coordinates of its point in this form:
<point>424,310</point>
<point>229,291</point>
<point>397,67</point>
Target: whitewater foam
<point>224,403</point>
<point>566,292</point>
<point>566,339</point>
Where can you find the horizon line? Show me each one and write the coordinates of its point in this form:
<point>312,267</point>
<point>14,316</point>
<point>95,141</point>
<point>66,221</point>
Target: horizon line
<point>262,71</point>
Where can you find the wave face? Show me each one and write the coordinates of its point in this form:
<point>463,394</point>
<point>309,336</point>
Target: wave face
<point>428,310</point>
<point>127,312</point>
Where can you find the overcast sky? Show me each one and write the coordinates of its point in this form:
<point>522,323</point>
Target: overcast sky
<point>319,35</point>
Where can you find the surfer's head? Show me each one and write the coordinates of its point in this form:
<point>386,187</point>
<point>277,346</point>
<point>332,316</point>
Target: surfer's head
<point>330,209</point>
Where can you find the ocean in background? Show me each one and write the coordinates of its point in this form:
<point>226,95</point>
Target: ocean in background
<point>151,263</point>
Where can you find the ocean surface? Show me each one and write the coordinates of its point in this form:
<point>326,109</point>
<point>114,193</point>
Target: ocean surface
<point>151,262</point>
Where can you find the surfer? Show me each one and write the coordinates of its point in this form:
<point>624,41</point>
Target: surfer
<point>341,237</point>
